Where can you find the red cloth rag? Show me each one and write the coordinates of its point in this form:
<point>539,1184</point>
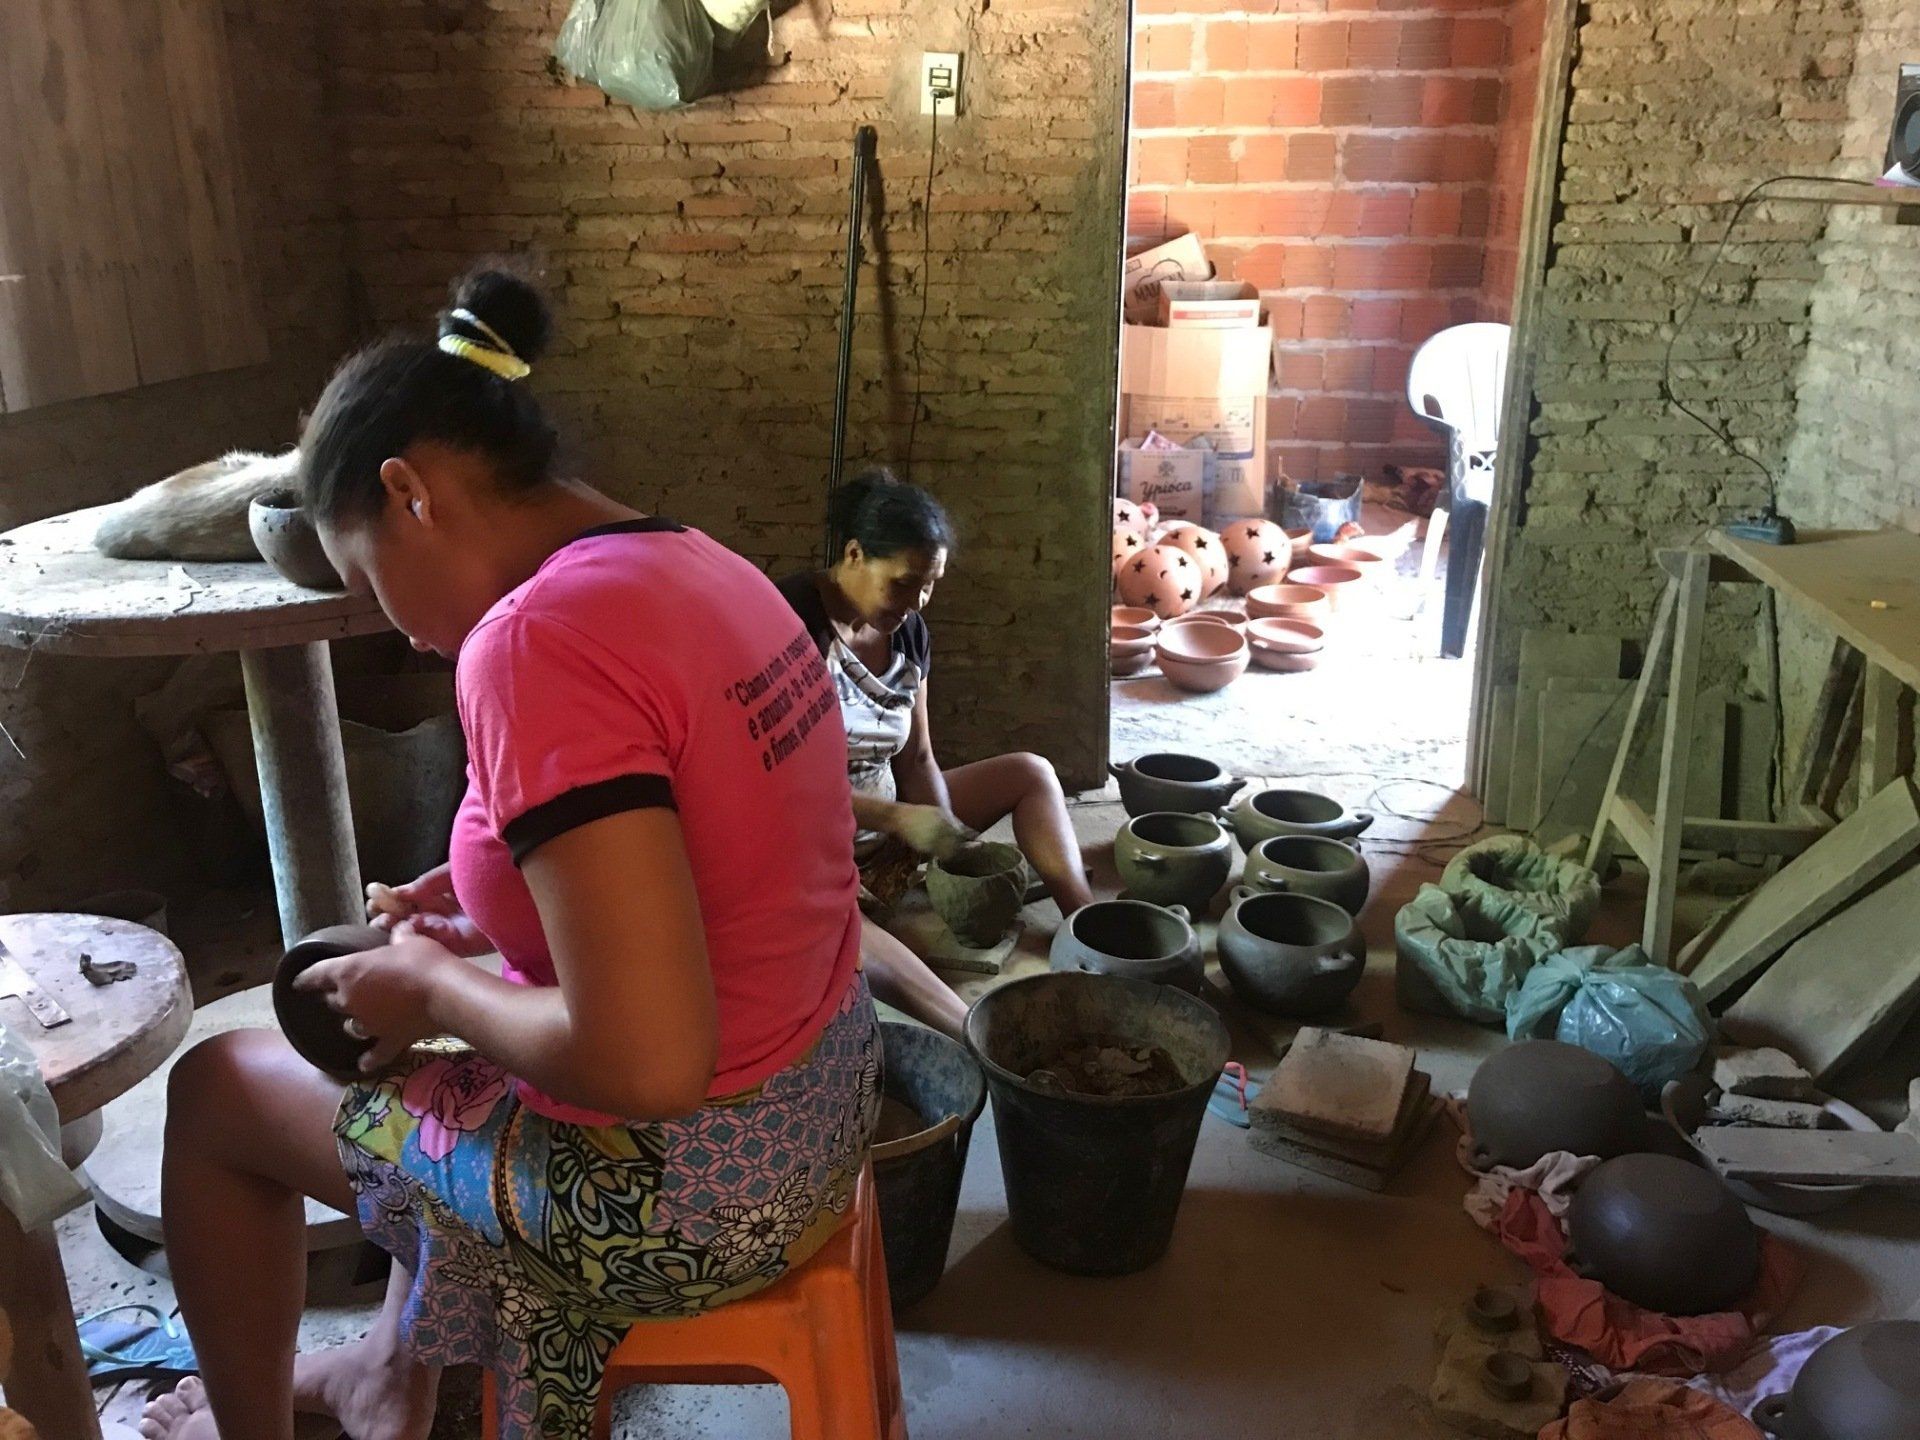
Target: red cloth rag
<point>1622,1335</point>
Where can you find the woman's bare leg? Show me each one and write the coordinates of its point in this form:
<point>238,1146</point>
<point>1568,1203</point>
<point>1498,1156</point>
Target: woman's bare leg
<point>902,979</point>
<point>1025,787</point>
<point>249,1134</point>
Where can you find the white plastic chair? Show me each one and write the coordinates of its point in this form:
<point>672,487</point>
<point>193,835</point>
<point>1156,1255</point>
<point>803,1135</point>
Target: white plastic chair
<point>1457,383</point>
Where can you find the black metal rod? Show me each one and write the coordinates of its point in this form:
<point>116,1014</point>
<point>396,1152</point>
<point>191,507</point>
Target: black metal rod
<point>865,141</point>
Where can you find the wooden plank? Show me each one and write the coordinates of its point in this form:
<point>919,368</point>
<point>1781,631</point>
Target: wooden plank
<point>1657,646</point>
<point>63,322</point>
<point>1494,798</point>
<point>1720,570</point>
<point>1830,872</point>
<point>1862,585</point>
<point>1636,827</point>
<point>1823,733</point>
<point>1880,731</point>
<point>1811,1157</point>
<point>1846,747</point>
<point>1670,798</point>
<point>1748,837</point>
<point>1580,725</point>
<point>1843,989</point>
<point>1552,96</point>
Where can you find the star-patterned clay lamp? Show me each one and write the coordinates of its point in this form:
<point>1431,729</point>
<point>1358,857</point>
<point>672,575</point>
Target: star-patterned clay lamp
<point>1126,545</point>
<point>1205,547</point>
<point>1258,553</point>
<point>1163,579</point>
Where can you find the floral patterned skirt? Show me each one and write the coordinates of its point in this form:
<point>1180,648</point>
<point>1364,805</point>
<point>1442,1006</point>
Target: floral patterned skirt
<point>534,1245</point>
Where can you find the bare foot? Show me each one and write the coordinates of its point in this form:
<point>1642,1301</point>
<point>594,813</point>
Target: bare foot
<point>182,1414</point>
<point>372,1388</point>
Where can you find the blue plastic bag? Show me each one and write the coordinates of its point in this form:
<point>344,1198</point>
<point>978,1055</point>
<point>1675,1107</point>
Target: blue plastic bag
<point>1647,1020</point>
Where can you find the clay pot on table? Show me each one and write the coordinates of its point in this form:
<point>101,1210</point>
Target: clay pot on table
<point>1168,780</point>
<point>1665,1234</point>
<point>1131,938</point>
<point>978,890</point>
<point>1267,813</point>
<point>1863,1384</point>
<point>1169,858</point>
<point>1290,955</point>
<point>1372,565</point>
<point>284,535</point>
<point>1542,1095</point>
<point>316,1031</point>
<point>1288,602</point>
<point>1310,865</point>
<point>1340,583</point>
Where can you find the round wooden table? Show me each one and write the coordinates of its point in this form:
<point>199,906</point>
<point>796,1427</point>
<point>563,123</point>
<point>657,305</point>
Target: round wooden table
<point>60,596</point>
<point>114,1037</point>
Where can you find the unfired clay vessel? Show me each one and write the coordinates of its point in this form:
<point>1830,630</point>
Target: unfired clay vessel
<point>1266,813</point>
<point>1173,859</point>
<point>1288,602</point>
<point>1168,780</point>
<point>1542,1095</point>
<point>978,890</point>
<point>316,1031</point>
<point>1130,938</point>
<point>1290,955</point>
<point>1205,547</point>
<point>1863,1384</point>
<point>1665,1234</point>
<point>1311,865</point>
<point>1126,545</point>
<point>1258,553</point>
<point>1129,516</point>
<point>287,541</point>
<point>1337,581</point>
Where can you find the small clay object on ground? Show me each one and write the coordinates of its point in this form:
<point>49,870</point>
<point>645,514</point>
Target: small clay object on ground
<point>1461,1398</point>
<point>105,972</point>
<point>1764,1074</point>
<point>1109,1067</point>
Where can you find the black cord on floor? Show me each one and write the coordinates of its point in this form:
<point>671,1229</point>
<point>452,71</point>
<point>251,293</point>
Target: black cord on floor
<point>926,294</point>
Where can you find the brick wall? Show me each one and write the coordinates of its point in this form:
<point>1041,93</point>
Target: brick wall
<point>699,255</point>
<point>1512,156</point>
<point>1851,461</point>
<point>87,806</point>
<point>1660,136</point>
<point>1340,157</point>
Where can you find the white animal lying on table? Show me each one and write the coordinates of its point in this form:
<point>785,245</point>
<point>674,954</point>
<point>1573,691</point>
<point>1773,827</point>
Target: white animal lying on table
<point>198,514</point>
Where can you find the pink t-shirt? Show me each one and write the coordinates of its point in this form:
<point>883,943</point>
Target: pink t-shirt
<point>646,665</point>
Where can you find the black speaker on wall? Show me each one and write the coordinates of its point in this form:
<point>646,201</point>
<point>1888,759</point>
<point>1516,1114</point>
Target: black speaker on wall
<point>1903,150</point>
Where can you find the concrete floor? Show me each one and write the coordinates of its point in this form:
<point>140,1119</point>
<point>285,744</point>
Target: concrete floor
<point>1289,1304</point>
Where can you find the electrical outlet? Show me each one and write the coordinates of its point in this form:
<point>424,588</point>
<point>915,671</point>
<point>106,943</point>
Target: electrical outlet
<point>939,84</point>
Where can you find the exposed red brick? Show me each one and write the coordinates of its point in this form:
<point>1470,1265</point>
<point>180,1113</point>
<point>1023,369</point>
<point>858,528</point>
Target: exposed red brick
<point>1322,417</point>
<point>1286,316</point>
<point>1348,370</point>
<point>1396,101</point>
<point>1297,212</point>
<point>1371,422</point>
<point>1264,266</point>
<point>1263,159</point>
<point>1435,212</point>
<point>1165,46</point>
<point>1311,157</point>
<point>1374,44</point>
<point>1298,370</point>
<point>1427,43</point>
<point>1210,160</point>
<point>1226,45</point>
<point>1448,100</point>
<point>1325,318</point>
<point>1309,267</point>
<point>1160,160</point>
<point>1377,319</point>
<point>1153,105</point>
<point>1323,45</point>
<point>1479,44</point>
<point>1458,267</point>
<point>1347,100</point>
<point>1272,44</point>
<point>1198,101</point>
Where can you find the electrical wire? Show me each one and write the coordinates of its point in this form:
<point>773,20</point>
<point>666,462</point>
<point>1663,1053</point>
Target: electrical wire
<point>926,291</point>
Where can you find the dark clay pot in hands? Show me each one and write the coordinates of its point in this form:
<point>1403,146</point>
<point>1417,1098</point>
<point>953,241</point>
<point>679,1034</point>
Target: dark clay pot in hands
<point>1542,1095</point>
<point>317,1032</point>
<point>1666,1234</point>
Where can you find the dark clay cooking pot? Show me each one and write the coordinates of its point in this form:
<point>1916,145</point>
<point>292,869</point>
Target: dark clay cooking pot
<point>316,1032</point>
<point>1665,1234</point>
<point>1267,813</point>
<point>1130,938</point>
<point>1863,1384</point>
<point>1543,1095</point>
<point>1166,780</point>
<point>1172,859</point>
<point>1290,955</point>
<point>1310,865</point>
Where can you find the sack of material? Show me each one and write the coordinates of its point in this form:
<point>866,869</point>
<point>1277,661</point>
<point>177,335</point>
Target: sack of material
<point>1465,954</point>
<point>653,54</point>
<point>1650,1022</point>
<point>1518,872</point>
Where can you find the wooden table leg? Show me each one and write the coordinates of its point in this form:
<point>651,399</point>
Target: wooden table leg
<point>1880,757</point>
<point>48,1383</point>
<point>1600,841</point>
<point>1670,800</point>
<point>303,787</point>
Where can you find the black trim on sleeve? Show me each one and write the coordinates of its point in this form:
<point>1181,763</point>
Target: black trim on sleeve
<point>915,641</point>
<point>645,525</point>
<point>582,806</point>
<point>802,593</point>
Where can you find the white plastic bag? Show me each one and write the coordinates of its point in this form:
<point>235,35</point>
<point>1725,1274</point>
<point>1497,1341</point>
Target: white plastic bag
<point>34,1183</point>
<point>653,54</point>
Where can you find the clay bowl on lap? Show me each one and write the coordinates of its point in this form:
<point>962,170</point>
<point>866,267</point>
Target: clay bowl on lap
<point>1204,675</point>
<point>1335,580</point>
<point>1201,644</point>
<point>311,1026</point>
<point>1370,563</point>
<point>1133,615</point>
<point>1288,602</point>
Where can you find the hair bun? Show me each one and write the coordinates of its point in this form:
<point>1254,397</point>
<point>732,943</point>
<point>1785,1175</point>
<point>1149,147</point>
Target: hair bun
<point>509,303</point>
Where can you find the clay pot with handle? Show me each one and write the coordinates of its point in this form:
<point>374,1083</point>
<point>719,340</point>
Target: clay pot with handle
<point>1863,1384</point>
<point>1169,858</point>
<point>1267,813</point>
<point>1131,938</point>
<point>1310,865</point>
<point>1167,780</point>
<point>1291,955</point>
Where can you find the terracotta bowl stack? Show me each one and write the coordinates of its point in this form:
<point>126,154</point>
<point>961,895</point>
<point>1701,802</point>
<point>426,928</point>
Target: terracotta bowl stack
<point>1226,619</point>
<point>1202,657</point>
<point>1284,644</point>
<point>1130,639</point>
<point>1342,584</point>
<point>1289,601</point>
<point>1372,565</point>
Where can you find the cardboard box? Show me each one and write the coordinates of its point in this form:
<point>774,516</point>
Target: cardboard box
<point>1174,480</point>
<point>1181,258</point>
<point>1193,381</point>
<point>1211,304</point>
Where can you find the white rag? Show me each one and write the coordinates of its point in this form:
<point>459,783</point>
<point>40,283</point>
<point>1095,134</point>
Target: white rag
<point>1553,1177</point>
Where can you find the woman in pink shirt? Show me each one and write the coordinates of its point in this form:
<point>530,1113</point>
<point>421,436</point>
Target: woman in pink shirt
<point>663,1101</point>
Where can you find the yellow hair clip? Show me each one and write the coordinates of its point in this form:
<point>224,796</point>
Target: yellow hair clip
<point>507,366</point>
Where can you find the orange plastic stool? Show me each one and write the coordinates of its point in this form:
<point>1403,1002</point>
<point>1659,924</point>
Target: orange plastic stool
<point>823,1333</point>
